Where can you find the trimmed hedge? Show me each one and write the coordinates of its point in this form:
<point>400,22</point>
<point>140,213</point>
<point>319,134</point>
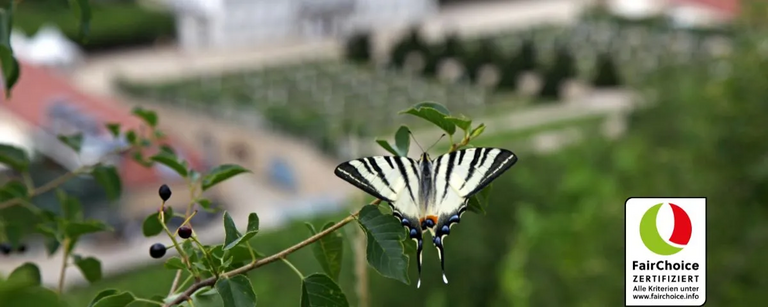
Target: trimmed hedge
<point>114,25</point>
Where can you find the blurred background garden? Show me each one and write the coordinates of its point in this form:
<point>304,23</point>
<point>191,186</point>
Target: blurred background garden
<point>601,100</point>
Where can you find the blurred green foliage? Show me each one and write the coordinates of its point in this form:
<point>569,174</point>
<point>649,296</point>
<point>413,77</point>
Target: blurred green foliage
<point>115,24</point>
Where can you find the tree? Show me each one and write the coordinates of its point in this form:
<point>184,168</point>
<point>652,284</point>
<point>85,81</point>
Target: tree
<point>411,42</point>
<point>606,76</point>
<point>358,47</point>
<point>527,53</point>
<point>553,80</point>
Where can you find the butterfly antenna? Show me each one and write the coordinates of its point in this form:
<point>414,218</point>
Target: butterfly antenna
<point>435,143</point>
<point>441,253</point>
<point>415,141</point>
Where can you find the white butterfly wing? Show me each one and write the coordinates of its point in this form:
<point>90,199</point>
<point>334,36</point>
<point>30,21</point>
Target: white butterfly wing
<point>394,180</point>
<point>459,175</point>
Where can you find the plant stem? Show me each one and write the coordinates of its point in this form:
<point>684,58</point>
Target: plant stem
<point>293,267</point>
<point>64,260</point>
<point>175,282</point>
<point>207,255</point>
<point>45,188</point>
<point>264,261</point>
<point>250,250</point>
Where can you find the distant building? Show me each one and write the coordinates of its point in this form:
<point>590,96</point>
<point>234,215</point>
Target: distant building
<point>236,23</point>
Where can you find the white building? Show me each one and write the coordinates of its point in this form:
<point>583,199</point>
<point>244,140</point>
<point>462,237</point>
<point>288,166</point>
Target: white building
<point>203,24</point>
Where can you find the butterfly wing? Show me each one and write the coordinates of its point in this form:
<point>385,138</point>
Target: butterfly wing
<point>458,176</point>
<point>394,180</point>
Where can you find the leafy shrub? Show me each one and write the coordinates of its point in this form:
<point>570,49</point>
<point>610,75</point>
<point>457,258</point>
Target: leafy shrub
<point>607,75</point>
<point>358,47</point>
<point>485,54</point>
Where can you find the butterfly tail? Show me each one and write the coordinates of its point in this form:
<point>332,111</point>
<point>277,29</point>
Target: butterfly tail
<point>441,253</point>
<point>420,245</point>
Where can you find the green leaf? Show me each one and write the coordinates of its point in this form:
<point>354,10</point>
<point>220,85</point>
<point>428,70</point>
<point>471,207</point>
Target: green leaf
<point>319,290</point>
<point>203,298</point>
<point>116,300</point>
<point>101,295</point>
<point>385,243</point>
<point>90,267</point>
<point>170,160</point>
<point>13,189</point>
<point>230,229</point>
<point>76,229</point>
<point>236,291</point>
<point>82,11</point>
<point>9,63</point>
<point>74,141</point>
<point>221,173</point>
<point>26,295</point>
<point>403,140</point>
<point>152,226</point>
<point>26,272</point>
<point>114,129</point>
<point>14,157</point>
<point>131,137</point>
<point>432,116</point>
<point>52,238</point>
<point>233,237</point>
<point>477,131</point>
<point>479,201</point>
<point>109,179</point>
<point>385,144</point>
<point>253,222</point>
<point>463,123</point>
<point>240,240</point>
<point>206,205</point>
<point>329,250</point>
<point>149,116</point>
<point>439,107</point>
<point>70,206</point>
<point>175,264</point>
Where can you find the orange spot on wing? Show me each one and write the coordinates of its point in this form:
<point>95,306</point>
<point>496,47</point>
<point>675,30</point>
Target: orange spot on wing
<point>433,218</point>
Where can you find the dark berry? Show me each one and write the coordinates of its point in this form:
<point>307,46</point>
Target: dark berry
<point>165,192</point>
<point>157,250</point>
<point>21,248</point>
<point>5,248</point>
<point>185,232</point>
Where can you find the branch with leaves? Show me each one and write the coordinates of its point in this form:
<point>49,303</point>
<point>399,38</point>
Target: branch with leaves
<point>202,271</point>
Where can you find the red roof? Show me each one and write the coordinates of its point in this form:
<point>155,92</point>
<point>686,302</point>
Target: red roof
<point>38,86</point>
<point>728,7</point>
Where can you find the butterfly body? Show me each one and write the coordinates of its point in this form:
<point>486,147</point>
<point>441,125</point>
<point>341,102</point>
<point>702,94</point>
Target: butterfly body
<point>426,194</point>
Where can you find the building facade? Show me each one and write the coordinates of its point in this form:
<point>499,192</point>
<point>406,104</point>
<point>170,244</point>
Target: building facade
<point>213,24</point>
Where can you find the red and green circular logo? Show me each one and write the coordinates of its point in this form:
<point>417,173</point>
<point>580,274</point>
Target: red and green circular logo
<point>681,232</point>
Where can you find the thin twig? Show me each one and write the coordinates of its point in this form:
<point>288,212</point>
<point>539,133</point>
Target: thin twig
<point>175,282</point>
<point>65,257</point>
<point>50,185</point>
<point>293,267</point>
<point>253,265</point>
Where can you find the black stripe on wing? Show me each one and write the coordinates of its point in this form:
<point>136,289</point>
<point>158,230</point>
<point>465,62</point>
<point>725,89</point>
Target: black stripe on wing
<point>351,174</point>
<point>503,160</point>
